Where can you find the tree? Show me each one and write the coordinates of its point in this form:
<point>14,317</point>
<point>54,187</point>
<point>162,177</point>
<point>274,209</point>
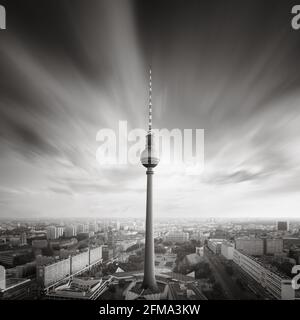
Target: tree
<point>112,288</point>
<point>229,270</point>
<point>48,251</point>
<point>82,245</point>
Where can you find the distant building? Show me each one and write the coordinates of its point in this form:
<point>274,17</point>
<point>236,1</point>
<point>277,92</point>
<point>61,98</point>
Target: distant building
<point>196,236</point>
<point>93,226</point>
<point>220,234</point>
<point>227,249</point>
<point>111,240</point>
<point>295,254</point>
<point>82,228</point>
<point>60,231</point>
<point>15,241</point>
<point>252,246</point>
<point>215,245</point>
<point>23,239</point>
<point>289,242</point>
<point>282,226</point>
<point>177,236</point>
<point>22,271</point>
<point>9,259</point>
<point>107,253</point>
<point>273,246</point>
<point>52,233</point>
<point>70,231</point>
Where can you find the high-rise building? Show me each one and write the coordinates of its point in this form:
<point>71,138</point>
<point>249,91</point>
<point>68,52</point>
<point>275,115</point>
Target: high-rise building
<point>111,241</point>
<point>70,231</point>
<point>106,253</point>
<point>52,233</point>
<point>282,226</point>
<point>149,159</point>
<point>248,245</point>
<point>93,226</point>
<point>82,228</point>
<point>60,231</point>
<point>23,239</point>
<point>273,246</point>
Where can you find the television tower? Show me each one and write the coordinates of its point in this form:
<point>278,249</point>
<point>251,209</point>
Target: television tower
<point>149,159</point>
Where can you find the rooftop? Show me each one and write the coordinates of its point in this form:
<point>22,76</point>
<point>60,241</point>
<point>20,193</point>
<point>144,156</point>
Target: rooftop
<point>266,265</point>
<point>79,288</point>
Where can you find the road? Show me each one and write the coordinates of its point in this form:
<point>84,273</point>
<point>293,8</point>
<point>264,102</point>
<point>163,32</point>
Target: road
<point>229,285</point>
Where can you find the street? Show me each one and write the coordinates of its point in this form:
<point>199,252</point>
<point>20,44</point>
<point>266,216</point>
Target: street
<point>232,290</point>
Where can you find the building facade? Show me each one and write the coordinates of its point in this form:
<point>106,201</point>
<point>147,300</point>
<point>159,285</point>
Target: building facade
<point>278,285</point>
<point>48,274</point>
<point>227,249</point>
<point>177,236</point>
<point>252,246</point>
<point>273,246</point>
<point>214,245</point>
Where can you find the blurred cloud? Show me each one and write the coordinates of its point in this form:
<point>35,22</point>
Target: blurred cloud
<point>69,69</point>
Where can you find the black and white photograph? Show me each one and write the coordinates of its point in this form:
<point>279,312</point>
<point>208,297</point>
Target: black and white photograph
<point>149,150</point>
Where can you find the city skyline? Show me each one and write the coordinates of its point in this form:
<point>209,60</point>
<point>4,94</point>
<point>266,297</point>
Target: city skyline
<point>104,260</point>
<point>68,71</point>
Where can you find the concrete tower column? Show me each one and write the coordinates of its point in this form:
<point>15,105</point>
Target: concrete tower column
<point>149,281</point>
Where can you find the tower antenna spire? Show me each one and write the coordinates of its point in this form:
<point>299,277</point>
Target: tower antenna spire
<point>150,100</point>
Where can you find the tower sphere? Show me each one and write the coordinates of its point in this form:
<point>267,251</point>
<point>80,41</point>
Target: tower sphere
<point>149,157</point>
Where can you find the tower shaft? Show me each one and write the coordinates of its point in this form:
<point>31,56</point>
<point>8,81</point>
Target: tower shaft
<point>149,281</point>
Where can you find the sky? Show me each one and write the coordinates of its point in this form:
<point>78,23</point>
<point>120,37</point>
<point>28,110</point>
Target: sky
<point>71,68</point>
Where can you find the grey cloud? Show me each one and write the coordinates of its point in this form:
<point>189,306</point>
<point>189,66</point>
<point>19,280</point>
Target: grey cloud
<point>233,177</point>
<point>25,139</point>
<point>70,68</point>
